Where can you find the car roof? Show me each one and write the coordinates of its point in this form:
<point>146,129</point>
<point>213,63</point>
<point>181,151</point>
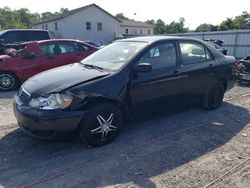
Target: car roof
<point>32,30</point>
<point>59,40</point>
<point>151,39</point>
<point>64,40</point>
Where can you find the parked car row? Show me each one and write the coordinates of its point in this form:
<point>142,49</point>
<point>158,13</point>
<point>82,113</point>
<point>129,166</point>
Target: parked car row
<point>125,79</point>
<point>27,59</point>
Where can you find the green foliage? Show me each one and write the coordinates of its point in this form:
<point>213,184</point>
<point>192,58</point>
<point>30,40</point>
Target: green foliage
<point>206,27</point>
<point>159,27</point>
<point>11,19</point>
<point>174,27</point>
<point>239,22</point>
<point>177,27</point>
<point>226,24</point>
<point>121,16</point>
<point>23,18</point>
<point>47,15</point>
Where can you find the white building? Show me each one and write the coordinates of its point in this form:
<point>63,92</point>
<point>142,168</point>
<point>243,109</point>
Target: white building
<point>93,23</point>
<point>90,22</point>
<point>130,28</point>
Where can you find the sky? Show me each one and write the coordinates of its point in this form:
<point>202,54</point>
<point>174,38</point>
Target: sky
<point>195,12</point>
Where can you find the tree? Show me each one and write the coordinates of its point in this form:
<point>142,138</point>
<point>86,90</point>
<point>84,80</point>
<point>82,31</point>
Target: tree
<point>46,15</point>
<point>121,16</point>
<point>159,27</point>
<point>226,24</point>
<point>206,27</point>
<point>62,11</point>
<point>25,18</point>
<point>239,22</point>
<point>242,21</point>
<point>150,22</point>
<point>176,27</point>
<point>15,19</point>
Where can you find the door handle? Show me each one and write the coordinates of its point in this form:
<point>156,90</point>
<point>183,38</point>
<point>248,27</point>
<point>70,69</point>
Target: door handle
<point>176,71</point>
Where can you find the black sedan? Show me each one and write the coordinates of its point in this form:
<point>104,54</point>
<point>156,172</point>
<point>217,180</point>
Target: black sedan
<point>125,79</point>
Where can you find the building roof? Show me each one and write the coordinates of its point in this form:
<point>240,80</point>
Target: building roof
<point>69,13</point>
<point>132,23</point>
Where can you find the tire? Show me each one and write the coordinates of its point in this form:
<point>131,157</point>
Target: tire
<point>214,96</point>
<point>102,125</point>
<point>8,81</point>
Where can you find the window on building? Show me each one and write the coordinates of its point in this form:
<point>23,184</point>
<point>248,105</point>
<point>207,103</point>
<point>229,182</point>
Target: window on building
<point>88,26</point>
<point>42,26</point>
<point>141,31</point>
<point>135,31</point>
<point>126,31</point>
<point>56,28</point>
<point>149,31</point>
<point>46,26</point>
<point>99,26</point>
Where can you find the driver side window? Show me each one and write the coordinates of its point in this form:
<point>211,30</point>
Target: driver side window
<point>161,56</point>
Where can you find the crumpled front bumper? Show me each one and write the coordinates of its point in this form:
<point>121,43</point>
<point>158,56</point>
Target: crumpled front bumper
<point>47,120</point>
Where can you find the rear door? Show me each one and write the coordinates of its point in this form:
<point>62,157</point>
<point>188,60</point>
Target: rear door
<point>159,88</point>
<point>197,69</point>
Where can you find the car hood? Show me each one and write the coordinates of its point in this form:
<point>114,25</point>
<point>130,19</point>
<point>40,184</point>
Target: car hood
<point>61,78</point>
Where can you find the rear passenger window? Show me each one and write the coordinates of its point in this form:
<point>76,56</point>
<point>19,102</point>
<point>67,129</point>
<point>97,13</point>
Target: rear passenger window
<point>192,53</point>
<point>68,47</point>
<point>37,35</point>
<point>83,48</point>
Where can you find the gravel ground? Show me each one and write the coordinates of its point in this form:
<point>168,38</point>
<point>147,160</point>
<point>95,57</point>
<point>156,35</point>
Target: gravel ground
<point>188,148</point>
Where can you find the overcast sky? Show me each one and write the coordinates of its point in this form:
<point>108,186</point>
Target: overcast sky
<point>195,12</point>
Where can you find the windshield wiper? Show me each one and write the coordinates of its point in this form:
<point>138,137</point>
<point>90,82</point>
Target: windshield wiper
<point>93,67</point>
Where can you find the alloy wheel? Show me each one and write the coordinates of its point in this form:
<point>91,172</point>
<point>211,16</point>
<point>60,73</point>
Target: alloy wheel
<point>105,126</point>
<point>7,81</point>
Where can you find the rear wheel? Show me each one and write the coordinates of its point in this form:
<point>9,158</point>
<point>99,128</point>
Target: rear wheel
<point>214,96</point>
<point>8,81</point>
<point>102,125</point>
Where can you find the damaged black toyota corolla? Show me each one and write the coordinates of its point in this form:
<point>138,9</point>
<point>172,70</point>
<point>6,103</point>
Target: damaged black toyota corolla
<point>124,79</point>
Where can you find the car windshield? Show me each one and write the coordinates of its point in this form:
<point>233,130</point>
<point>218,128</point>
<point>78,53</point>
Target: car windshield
<point>115,55</point>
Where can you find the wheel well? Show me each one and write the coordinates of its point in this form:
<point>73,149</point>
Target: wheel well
<point>99,100</point>
<point>9,72</point>
<point>107,100</point>
<point>224,82</point>
<point>17,78</point>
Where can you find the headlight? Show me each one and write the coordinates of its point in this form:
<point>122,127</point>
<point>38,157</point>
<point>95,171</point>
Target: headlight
<point>54,101</point>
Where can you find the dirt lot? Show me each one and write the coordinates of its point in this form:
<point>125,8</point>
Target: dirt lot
<point>188,148</point>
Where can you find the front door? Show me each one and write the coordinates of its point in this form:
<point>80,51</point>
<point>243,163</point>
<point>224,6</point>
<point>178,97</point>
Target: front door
<point>160,87</point>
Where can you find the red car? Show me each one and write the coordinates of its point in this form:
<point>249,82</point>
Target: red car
<point>28,59</point>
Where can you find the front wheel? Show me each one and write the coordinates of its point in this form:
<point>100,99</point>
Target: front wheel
<point>102,125</point>
<point>214,96</point>
<point>8,81</point>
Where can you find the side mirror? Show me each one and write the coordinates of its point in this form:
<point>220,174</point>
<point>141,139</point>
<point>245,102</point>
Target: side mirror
<point>30,55</point>
<point>143,67</point>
